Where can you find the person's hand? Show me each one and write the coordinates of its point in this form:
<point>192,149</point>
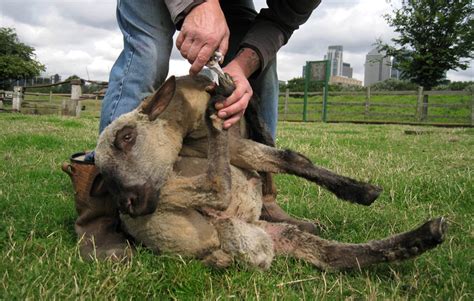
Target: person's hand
<point>233,108</point>
<point>240,68</point>
<point>204,31</point>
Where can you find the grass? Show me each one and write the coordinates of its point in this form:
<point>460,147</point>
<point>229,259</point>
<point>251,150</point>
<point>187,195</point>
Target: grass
<point>423,176</point>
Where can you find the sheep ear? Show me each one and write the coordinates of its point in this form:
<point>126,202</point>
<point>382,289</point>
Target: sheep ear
<point>155,104</point>
<point>98,188</point>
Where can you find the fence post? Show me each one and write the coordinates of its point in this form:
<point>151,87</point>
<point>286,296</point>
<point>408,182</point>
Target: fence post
<point>2,95</point>
<point>285,108</point>
<point>472,107</point>
<point>76,92</point>
<point>306,84</point>
<point>327,77</point>
<point>367,103</point>
<point>419,107</point>
<point>50,95</point>
<point>17,98</point>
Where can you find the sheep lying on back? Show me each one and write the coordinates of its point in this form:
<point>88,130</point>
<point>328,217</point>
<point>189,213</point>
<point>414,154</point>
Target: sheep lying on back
<point>209,209</point>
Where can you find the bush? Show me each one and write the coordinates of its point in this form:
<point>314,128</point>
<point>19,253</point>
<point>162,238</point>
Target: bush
<point>394,85</point>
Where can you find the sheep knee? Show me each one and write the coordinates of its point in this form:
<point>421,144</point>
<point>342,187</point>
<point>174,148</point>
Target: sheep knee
<point>218,259</point>
<point>246,242</point>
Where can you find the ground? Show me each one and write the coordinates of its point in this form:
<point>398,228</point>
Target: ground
<point>423,176</point>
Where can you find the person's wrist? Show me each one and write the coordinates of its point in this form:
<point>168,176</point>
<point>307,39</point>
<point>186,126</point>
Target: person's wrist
<point>247,61</point>
<point>180,18</point>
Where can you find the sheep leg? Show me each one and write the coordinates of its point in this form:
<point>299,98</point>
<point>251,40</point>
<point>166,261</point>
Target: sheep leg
<point>211,189</point>
<point>329,255</point>
<point>248,154</point>
<point>218,170</point>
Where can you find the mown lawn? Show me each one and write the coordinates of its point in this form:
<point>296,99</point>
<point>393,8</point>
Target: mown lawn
<point>423,176</point>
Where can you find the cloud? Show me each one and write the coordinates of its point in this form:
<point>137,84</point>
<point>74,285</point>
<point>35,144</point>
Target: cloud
<point>81,36</point>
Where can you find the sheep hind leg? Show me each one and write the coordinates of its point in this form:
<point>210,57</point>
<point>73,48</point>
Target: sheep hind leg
<point>329,255</point>
<point>252,155</point>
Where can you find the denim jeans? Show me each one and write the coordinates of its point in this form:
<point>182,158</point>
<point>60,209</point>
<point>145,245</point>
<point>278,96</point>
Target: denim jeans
<point>143,64</point>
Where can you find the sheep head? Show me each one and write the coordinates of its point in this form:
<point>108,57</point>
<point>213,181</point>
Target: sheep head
<point>127,147</point>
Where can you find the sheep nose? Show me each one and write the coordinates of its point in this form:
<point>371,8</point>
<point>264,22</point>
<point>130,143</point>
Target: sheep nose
<point>130,202</point>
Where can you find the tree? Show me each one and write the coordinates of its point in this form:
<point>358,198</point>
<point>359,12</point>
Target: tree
<point>434,36</point>
<point>17,60</point>
<point>65,88</point>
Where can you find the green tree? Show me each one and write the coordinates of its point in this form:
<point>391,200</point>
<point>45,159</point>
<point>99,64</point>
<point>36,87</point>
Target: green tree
<point>17,60</point>
<point>434,36</point>
<point>65,88</point>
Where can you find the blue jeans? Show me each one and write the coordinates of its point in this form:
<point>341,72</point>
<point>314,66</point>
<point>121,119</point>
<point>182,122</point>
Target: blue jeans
<point>144,62</point>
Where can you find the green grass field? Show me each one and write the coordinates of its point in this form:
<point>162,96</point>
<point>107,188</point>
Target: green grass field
<point>423,176</point>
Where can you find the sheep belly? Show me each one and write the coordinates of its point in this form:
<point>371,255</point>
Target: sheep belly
<point>186,231</point>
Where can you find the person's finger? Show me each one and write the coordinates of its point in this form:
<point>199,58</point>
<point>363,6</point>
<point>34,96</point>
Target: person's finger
<point>235,107</point>
<point>185,47</point>
<point>194,50</point>
<point>179,40</point>
<point>233,120</point>
<point>238,93</point>
<point>224,46</point>
<point>233,98</point>
<point>202,58</point>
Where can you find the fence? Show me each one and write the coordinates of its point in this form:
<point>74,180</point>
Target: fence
<point>420,107</point>
<point>42,103</point>
<point>443,107</point>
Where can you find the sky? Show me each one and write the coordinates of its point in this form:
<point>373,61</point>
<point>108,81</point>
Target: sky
<point>81,36</point>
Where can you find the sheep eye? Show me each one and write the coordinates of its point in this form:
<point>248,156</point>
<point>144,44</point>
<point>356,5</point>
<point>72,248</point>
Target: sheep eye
<point>125,138</point>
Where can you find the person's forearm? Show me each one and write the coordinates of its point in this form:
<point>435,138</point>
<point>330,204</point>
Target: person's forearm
<point>248,61</point>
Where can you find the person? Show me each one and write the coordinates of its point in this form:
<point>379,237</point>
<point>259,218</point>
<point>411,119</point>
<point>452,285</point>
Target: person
<point>248,40</point>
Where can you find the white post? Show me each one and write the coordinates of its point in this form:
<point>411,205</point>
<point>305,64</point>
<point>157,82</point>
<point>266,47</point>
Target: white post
<point>419,107</point>
<point>76,92</point>
<point>285,109</point>
<point>2,95</point>
<point>367,102</point>
<point>17,98</point>
<point>472,108</point>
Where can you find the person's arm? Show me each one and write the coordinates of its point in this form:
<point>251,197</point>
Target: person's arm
<point>179,9</point>
<point>274,25</point>
<point>245,63</point>
<point>271,29</point>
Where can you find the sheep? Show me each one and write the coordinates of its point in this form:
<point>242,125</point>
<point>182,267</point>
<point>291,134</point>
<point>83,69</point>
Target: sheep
<point>203,198</point>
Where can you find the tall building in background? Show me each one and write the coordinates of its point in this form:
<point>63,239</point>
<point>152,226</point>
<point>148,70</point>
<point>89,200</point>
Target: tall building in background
<point>347,70</point>
<point>377,67</point>
<point>335,57</point>
<point>395,73</point>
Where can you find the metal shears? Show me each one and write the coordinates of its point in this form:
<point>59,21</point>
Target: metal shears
<point>223,81</point>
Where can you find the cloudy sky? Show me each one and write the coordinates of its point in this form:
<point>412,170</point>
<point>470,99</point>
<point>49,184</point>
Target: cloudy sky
<point>81,36</point>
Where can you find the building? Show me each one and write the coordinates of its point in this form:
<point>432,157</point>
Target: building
<point>347,70</point>
<point>344,81</point>
<point>395,73</point>
<point>335,57</point>
<point>377,67</point>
